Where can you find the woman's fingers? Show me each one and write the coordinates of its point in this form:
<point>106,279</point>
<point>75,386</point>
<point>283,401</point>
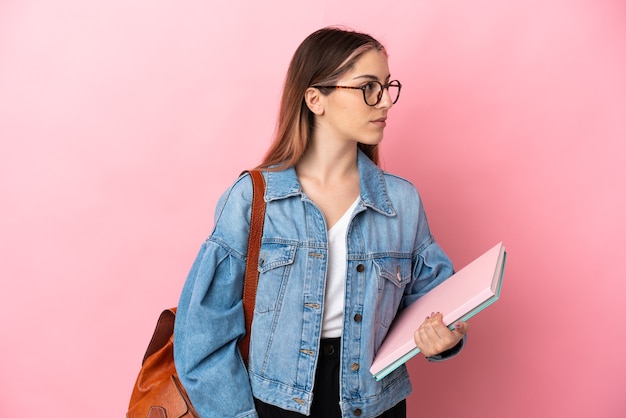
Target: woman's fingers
<point>434,337</point>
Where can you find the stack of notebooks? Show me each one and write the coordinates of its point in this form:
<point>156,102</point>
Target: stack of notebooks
<point>460,297</point>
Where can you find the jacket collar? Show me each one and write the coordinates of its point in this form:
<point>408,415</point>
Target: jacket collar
<point>285,183</point>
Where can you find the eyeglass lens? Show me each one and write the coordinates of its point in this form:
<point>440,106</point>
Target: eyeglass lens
<point>373,92</point>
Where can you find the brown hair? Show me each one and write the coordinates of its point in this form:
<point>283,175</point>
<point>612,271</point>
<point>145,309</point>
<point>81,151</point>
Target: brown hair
<point>322,58</point>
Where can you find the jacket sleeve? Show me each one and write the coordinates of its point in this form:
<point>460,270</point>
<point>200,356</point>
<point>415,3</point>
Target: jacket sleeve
<point>210,321</point>
<point>431,266</point>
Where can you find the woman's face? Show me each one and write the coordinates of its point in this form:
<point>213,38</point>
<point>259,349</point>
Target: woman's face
<point>346,115</point>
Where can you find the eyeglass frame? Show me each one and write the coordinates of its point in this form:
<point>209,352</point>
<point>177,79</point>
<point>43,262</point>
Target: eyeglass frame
<point>363,87</point>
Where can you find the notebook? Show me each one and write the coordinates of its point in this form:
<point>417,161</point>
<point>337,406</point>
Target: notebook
<point>460,297</point>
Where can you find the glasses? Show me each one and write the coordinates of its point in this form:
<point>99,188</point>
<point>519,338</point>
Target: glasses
<point>373,91</point>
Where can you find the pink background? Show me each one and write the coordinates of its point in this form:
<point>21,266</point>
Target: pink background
<point>122,122</point>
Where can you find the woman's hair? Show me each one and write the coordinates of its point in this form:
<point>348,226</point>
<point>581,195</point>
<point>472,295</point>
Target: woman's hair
<point>322,58</point>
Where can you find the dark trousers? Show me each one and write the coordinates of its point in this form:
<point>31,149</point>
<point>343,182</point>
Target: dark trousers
<point>326,390</point>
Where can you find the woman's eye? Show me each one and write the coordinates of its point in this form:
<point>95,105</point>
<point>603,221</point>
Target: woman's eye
<point>370,86</point>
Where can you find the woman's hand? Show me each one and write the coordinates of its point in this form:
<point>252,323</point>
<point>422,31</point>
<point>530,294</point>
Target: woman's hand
<point>433,337</point>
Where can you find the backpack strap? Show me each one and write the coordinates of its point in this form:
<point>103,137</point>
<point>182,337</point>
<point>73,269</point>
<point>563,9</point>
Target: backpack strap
<point>257,218</point>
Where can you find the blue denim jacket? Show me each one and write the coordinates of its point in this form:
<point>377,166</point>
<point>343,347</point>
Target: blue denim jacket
<point>392,259</point>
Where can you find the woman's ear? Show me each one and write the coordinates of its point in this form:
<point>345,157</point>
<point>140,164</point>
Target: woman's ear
<point>314,101</point>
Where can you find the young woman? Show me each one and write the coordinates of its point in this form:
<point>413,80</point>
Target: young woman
<point>345,247</point>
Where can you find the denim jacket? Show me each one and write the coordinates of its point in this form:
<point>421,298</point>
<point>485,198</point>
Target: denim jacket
<point>392,259</point>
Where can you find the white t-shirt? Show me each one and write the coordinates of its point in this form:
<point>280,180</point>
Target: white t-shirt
<point>332,323</point>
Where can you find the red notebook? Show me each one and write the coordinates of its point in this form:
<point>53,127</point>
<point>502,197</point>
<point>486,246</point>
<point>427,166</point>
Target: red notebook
<point>461,296</point>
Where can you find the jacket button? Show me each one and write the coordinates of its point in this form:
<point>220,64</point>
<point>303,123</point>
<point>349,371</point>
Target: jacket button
<point>358,317</point>
<point>355,367</point>
<point>358,412</point>
<point>360,268</point>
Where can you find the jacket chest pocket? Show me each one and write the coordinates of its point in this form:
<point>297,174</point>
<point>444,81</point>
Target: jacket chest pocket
<point>394,274</point>
<point>275,263</point>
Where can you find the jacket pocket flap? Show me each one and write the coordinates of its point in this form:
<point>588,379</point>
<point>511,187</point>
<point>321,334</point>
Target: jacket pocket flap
<point>394,269</point>
<point>275,255</point>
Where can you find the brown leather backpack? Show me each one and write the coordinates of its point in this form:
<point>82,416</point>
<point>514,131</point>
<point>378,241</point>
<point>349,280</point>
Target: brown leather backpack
<point>158,392</point>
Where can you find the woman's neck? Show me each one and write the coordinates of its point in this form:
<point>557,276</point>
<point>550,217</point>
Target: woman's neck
<point>330,178</point>
<point>329,163</point>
